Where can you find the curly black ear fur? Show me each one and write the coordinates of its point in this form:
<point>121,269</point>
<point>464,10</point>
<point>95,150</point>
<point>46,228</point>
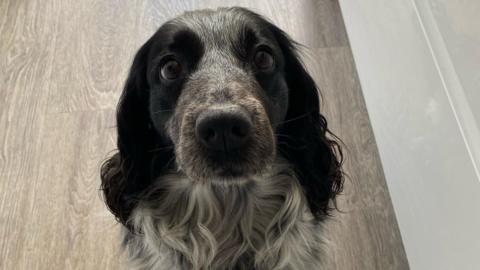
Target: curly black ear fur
<point>305,139</point>
<point>140,153</point>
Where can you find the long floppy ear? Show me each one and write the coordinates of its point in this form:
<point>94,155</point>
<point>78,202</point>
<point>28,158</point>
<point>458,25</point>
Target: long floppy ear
<point>140,152</point>
<point>309,145</point>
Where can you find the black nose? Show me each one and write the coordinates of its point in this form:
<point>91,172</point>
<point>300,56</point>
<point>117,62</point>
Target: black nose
<point>223,129</point>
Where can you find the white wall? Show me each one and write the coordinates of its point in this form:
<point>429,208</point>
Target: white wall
<point>418,63</point>
<point>459,25</point>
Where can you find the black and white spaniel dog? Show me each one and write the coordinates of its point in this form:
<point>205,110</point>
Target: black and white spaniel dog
<point>224,160</point>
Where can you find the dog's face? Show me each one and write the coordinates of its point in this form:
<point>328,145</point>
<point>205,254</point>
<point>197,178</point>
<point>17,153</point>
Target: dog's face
<point>218,95</point>
<point>217,92</point>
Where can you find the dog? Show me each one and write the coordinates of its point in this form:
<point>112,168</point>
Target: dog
<point>224,160</point>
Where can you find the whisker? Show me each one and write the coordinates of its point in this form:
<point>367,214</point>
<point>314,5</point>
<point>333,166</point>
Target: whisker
<point>170,161</point>
<point>160,111</point>
<point>296,118</point>
<point>160,148</point>
<point>284,136</point>
<point>286,140</point>
<point>292,147</point>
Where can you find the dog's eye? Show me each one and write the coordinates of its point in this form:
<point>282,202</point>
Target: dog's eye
<point>171,70</point>
<point>263,60</point>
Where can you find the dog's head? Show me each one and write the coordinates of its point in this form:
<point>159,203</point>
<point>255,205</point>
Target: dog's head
<point>218,95</point>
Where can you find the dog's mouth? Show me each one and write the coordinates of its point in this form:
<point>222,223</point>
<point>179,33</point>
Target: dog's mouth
<point>231,164</point>
<point>238,164</point>
<point>225,142</point>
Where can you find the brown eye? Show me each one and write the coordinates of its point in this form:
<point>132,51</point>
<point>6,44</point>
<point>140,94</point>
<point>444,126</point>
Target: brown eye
<point>171,70</point>
<point>263,60</point>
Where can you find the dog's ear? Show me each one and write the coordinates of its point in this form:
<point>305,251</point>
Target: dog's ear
<point>129,171</point>
<point>306,141</point>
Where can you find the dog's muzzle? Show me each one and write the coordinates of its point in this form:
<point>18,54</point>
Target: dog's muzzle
<point>224,134</point>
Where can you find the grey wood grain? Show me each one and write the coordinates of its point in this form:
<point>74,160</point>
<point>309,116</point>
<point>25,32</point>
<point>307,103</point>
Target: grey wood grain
<point>62,67</point>
<point>367,217</point>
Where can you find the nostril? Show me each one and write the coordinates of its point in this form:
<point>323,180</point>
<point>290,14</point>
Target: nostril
<point>209,134</point>
<point>239,131</point>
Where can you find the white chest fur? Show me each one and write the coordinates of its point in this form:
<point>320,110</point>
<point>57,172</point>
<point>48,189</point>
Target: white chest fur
<point>263,223</point>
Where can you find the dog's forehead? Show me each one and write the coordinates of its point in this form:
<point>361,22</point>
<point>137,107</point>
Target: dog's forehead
<point>218,27</point>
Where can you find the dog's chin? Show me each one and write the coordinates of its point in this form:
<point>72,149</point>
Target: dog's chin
<point>227,170</point>
<point>235,173</point>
